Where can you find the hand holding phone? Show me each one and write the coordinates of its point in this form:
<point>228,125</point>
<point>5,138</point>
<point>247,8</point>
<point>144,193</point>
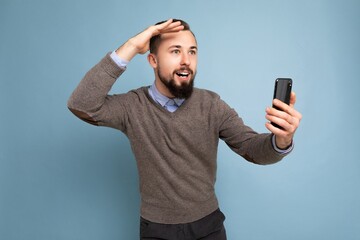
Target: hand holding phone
<point>282,91</point>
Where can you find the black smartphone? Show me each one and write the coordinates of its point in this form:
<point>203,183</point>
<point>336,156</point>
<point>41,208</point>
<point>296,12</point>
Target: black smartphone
<point>282,91</point>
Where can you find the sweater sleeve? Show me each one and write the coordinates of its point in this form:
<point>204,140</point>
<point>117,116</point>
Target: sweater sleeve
<point>243,140</point>
<point>90,100</point>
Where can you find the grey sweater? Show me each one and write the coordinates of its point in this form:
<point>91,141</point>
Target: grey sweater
<point>176,153</point>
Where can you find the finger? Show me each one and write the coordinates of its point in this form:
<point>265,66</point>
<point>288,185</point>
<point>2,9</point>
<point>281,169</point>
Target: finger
<point>173,27</point>
<point>286,129</point>
<point>283,119</point>
<point>289,109</point>
<point>276,131</point>
<point>292,99</point>
<point>292,112</point>
<point>164,24</point>
<point>283,105</point>
<point>156,29</point>
<point>176,28</point>
<point>169,25</point>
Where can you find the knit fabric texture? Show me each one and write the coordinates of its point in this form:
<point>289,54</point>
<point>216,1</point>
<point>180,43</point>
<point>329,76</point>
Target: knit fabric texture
<point>176,152</point>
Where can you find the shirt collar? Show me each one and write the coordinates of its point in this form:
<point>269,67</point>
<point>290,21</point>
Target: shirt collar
<point>162,99</point>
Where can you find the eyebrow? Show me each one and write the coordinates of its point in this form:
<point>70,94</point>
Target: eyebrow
<point>179,46</point>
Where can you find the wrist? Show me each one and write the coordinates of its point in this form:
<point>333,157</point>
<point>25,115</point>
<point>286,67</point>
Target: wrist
<point>127,51</point>
<point>281,151</point>
<point>282,144</point>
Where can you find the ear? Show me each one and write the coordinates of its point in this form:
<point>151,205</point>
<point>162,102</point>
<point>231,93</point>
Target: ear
<point>152,60</point>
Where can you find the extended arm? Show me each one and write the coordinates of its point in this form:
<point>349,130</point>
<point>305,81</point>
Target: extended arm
<point>254,147</point>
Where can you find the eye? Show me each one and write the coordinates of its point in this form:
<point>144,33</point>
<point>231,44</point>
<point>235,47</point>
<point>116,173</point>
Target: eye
<point>175,51</point>
<point>192,52</point>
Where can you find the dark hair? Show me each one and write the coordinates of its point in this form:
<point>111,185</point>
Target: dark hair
<point>155,40</point>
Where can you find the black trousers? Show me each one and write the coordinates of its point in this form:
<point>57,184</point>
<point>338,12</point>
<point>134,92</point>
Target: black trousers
<point>210,227</point>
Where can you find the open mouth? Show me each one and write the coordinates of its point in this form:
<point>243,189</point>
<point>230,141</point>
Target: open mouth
<point>183,74</point>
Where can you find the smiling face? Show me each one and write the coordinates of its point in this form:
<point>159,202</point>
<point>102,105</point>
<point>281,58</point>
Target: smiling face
<point>175,63</point>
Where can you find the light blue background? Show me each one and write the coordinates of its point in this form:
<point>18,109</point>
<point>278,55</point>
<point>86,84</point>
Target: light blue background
<point>61,178</point>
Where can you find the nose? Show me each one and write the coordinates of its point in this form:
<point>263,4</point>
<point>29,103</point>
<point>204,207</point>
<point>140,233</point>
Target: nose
<point>185,59</point>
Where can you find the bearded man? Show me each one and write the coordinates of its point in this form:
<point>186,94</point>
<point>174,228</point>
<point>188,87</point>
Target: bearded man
<point>174,131</point>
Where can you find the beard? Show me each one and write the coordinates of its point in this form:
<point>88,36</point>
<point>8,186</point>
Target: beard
<point>184,90</point>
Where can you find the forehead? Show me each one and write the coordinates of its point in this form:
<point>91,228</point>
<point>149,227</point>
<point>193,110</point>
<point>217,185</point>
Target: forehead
<point>183,38</point>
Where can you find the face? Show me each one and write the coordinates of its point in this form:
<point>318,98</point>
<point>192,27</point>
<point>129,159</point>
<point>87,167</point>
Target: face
<point>175,64</point>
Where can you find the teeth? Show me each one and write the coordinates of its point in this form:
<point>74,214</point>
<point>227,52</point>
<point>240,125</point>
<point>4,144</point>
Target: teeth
<point>183,74</point>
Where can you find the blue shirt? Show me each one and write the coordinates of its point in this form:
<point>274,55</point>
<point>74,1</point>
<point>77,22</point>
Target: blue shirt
<point>171,104</point>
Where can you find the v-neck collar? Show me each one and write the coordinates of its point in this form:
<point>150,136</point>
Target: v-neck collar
<point>162,99</point>
<point>159,106</point>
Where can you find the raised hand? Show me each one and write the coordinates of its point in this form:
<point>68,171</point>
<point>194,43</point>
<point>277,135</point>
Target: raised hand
<point>139,44</point>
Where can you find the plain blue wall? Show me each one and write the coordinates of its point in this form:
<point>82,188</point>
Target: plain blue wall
<point>61,178</point>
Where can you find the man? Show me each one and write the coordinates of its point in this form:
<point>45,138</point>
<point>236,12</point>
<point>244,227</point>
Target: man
<point>174,130</point>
